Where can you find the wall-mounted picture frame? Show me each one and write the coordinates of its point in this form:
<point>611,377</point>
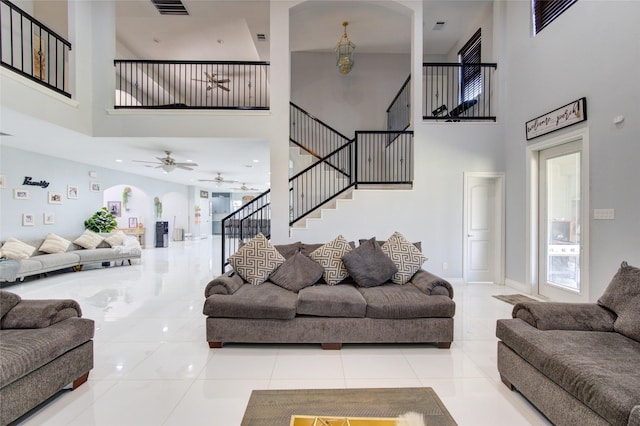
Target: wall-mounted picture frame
<point>27,219</point>
<point>20,194</point>
<point>565,116</point>
<point>3,181</point>
<point>94,187</point>
<point>115,208</point>
<point>49,218</point>
<point>204,194</point>
<point>54,197</point>
<point>72,192</point>
<point>133,222</point>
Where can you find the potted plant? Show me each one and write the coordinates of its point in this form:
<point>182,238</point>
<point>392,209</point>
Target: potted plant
<point>126,193</point>
<point>101,221</point>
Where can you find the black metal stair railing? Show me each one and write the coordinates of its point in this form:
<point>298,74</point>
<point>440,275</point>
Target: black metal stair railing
<point>33,50</point>
<point>225,85</point>
<point>399,112</point>
<point>459,92</point>
<point>244,224</point>
<point>312,135</point>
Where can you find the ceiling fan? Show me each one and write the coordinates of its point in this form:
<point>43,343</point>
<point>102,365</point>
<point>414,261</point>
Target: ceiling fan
<point>169,164</point>
<point>219,180</point>
<point>213,82</point>
<point>244,187</point>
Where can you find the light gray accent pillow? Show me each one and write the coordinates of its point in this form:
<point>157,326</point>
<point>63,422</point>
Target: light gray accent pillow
<point>330,257</point>
<point>622,296</point>
<point>256,260</point>
<point>405,256</point>
<point>296,273</point>
<point>369,265</point>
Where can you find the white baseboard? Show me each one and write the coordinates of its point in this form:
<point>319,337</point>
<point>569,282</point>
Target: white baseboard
<point>521,287</point>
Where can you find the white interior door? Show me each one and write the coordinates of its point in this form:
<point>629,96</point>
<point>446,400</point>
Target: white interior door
<point>560,242</point>
<point>483,227</point>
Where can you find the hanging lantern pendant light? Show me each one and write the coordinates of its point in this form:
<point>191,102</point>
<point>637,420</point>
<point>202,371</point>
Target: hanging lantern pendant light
<point>344,52</point>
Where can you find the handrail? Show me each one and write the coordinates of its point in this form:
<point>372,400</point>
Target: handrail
<point>395,98</point>
<point>191,84</point>
<point>455,91</point>
<point>314,118</point>
<point>48,64</point>
<point>323,160</point>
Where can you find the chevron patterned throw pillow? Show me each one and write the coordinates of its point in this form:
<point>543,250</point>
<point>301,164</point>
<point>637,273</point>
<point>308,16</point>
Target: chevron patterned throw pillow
<point>405,256</point>
<point>330,257</point>
<point>256,260</point>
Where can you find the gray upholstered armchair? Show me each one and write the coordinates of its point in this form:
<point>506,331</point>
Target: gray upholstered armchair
<point>45,345</point>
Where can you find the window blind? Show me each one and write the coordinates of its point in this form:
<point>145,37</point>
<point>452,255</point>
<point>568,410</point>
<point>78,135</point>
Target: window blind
<point>471,76</point>
<point>545,11</point>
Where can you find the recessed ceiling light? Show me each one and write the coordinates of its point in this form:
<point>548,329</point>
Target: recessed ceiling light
<point>118,160</point>
<point>189,161</point>
<point>256,161</point>
<point>220,41</point>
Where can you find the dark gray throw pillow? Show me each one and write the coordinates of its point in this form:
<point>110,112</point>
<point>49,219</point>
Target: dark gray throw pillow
<point>296,273</point>
<point>622,296</point>
<point>369,265</point>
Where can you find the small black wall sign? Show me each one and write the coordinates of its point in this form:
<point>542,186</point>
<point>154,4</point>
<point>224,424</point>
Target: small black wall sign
<point>28,180</point>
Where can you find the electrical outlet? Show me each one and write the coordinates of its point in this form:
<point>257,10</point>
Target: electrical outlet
<point>604,214</point>
<point>445,266</point>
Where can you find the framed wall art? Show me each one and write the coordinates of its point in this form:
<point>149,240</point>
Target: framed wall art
<point>72,192</point>
<point>20,194</point>
<point>115,208</point>
<point>95,187</point>
<point>49,218</point>
<point>565,116</point>
<point>133,222</point>
<point>55,198</point>
<point>27,219</point>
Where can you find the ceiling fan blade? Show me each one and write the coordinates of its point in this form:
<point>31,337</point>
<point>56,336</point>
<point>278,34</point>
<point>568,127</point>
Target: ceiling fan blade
<point>223,88</point>
<point>186,164</point>
<point>180,166</point>
<point>224,80</point>
<point>140,161</point>
<point>207,180</point>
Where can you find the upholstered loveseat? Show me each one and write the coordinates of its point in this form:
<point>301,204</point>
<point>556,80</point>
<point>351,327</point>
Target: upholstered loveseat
<point>579,364</point>
<point>330,294</point>
<point>45,345</point>
<point>54,253</point>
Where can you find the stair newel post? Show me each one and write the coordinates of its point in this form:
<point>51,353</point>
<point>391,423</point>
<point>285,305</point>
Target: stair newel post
<point>354,177</point>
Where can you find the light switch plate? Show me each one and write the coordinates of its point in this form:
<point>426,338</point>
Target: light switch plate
<point>604,214</point>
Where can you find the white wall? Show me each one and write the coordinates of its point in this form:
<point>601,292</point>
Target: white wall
<point>15,164</point>
<point>591,50</point>
<point>356,101</point>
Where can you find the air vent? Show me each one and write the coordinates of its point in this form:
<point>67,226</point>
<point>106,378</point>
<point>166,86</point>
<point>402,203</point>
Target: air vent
<point>438,26</point>
<point>261,37</point>
<point>170,7</point>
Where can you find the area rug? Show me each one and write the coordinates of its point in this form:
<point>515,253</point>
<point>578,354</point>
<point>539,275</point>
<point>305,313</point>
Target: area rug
<point>514,298</point>
<point>275,407</point>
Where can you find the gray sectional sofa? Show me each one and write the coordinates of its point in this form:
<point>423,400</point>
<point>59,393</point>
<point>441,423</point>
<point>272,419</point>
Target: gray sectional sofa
<point>351,311</point>
<point>579,364</point>
<point>45,345</point>
<point>74,256</point>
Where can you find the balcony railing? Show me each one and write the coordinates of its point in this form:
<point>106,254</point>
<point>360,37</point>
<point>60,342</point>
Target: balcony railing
<point>33,50</point>
<point>459,92</point>
<point>399,112</point>
<point>192,84</point>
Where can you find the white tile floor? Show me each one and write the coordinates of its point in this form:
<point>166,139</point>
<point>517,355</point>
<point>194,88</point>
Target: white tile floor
<point>154,367</point>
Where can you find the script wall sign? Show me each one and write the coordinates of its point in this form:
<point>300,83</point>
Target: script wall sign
<point>28,180</point>
<point>565,116</point>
